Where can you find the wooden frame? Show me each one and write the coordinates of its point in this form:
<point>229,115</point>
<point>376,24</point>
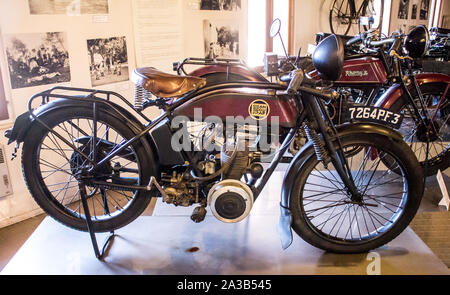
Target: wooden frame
<point>269,19</point>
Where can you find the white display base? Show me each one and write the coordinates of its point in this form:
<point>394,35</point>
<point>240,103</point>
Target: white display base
<point>160,245</point>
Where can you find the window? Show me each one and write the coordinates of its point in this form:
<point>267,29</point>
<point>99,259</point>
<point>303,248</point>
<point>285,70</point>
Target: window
<point>260,16</point>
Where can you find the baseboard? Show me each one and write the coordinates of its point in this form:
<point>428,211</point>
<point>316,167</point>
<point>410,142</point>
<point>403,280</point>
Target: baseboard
<point>12,220</point>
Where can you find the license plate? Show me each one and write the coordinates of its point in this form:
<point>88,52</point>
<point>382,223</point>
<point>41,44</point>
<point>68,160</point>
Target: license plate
<point>376,115</point>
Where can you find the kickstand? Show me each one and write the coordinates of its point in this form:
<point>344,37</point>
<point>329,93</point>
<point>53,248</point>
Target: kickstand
<point>109,240</point>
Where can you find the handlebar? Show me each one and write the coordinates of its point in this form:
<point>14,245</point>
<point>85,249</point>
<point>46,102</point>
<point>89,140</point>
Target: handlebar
<point>300,83</point>
<point>355,39</point>
<point>382,42</point>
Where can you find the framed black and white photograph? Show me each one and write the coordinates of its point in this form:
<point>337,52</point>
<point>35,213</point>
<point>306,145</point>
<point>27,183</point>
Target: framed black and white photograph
<point>70,7</point>
<point>228,5</point>
<point>424,9</point>
<point>414,11</point>
<point>4,114</point>
<point>108,60</point>
<point>221,39</point>
<point>403,9</point>
<point>37,59</point>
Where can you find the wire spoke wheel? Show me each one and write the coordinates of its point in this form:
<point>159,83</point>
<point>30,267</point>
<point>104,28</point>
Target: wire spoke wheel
<point>54,160</point>
<point>331,218</point>
<point>340,17</point>
<point>435,135</point>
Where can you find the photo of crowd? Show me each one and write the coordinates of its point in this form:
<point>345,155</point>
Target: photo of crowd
<point>108,60</point>
<point>37,59</point>
<point>221,40</point>
<point>229,5</point>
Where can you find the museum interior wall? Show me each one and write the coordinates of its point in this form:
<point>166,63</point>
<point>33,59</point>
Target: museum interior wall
<point>145,26</point>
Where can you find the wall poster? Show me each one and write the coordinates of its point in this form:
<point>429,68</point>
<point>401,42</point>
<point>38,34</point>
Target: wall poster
<point>37,59</point>
<point>71,7</point>
<point>108,60</point>
<point>221,39</point>
<point>4,115</point>
<point>228,5</point>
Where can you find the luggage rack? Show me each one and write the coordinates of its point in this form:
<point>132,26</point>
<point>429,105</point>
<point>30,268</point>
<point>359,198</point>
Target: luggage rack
<point>85,94</point>
<point>228,62</point>
<point>91,96</point>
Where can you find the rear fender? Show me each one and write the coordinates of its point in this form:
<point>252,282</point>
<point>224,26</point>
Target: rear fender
<point>395,92</point>
<point>25,121</point>
<point>284,227</point>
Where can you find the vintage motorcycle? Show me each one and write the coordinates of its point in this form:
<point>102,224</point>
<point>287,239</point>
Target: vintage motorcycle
<point>378,73</point>
<point>93,166</point>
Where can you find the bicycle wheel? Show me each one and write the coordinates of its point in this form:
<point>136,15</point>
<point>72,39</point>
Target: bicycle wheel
<point>416,135</point>
<point>340,17</point>
<point>50,166</point>
<point>326,216</point>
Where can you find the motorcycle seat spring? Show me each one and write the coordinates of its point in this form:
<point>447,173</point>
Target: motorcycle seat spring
<point>140,96</point>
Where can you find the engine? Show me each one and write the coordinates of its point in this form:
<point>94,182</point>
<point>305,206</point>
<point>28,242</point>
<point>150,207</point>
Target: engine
<point>215,179</point>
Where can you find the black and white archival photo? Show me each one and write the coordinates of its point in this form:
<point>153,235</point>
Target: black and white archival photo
<point>229,5</point>
<point>424,7</point>
<point>403,9</point>
<point>221,40</point>
<point>414,11</point>
<point>3,104</point>
<point>71,7</point>
<point>108,60</point>
<point>37,59</point>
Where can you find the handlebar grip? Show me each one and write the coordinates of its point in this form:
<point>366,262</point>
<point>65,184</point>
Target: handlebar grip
<point>296,81</point>
<point>353,40</point>
<point>382,42</point>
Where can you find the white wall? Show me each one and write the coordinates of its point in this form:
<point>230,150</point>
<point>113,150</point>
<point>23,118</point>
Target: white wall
<point>15,19</point>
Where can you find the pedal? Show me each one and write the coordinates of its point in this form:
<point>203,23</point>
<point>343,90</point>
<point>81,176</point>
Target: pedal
<point>199,214</point>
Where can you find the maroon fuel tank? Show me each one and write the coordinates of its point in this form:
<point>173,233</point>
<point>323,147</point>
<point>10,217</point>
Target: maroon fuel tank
<point>365,70</point>
<point>235,72</point>
<point>251,104</point>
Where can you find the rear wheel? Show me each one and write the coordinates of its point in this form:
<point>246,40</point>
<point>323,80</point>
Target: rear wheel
<point>328,217</point>
<point>340,17</point>
<point>50,167</point>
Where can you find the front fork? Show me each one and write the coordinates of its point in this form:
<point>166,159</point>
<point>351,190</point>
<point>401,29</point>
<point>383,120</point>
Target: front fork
<point>317,114</point>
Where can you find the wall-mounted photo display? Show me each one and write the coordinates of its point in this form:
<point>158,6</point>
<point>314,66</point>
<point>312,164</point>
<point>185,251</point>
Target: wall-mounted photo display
<point>37,59</point>
<point>108,60</point>
<point>424,9</point>
<point>403,9</point>
<point>228,5</point>
<point>221,39</point>
<point>414,11</point>
<point>4,115</point>
<point>71,7</point>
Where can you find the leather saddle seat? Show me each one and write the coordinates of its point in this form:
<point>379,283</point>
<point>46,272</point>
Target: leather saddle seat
<point>165,85</point>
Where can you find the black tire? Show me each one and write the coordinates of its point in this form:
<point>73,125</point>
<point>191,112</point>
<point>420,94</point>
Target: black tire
<point>337,5</point>
<point>65,212</point>
<point>440,159</point>
<point>313,232</point>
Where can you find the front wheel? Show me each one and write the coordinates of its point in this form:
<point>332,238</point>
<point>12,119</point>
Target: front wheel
<point>328,217</point>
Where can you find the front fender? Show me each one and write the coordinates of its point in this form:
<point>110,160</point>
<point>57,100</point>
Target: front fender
<point>284,227</point>
<point>395,92</point>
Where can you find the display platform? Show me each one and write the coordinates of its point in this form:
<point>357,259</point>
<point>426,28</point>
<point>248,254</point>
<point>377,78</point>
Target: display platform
<point>170,243</point>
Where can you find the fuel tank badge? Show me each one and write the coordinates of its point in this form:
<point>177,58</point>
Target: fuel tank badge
<point>259,109</point>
